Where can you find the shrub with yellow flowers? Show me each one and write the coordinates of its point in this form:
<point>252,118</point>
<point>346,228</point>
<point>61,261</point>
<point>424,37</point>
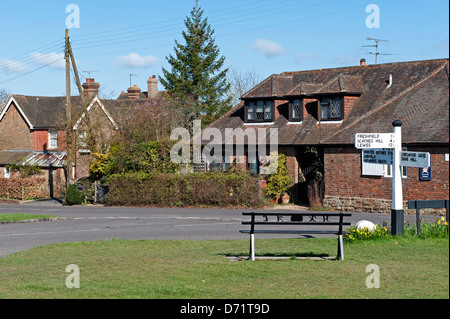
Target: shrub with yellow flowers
<point>428,229</point>
<point>357,234</point>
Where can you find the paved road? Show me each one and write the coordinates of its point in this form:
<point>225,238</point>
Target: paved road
<point>86,223</point>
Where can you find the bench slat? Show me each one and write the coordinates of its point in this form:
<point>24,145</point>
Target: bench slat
<point>295,213</point>
<point>298,223</point>
<point>311,232</point>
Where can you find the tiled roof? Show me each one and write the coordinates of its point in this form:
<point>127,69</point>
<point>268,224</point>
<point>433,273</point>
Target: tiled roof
<point>418,96</point>
<point>12,157</point>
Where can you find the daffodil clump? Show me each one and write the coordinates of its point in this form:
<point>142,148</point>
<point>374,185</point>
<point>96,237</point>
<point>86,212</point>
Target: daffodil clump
<point>428,229</point>
<point>437,229</point>
<point>354,234</point>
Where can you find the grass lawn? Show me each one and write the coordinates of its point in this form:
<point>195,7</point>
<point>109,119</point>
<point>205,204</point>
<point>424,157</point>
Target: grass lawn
<point>18,217</point>
<point>409,268</point>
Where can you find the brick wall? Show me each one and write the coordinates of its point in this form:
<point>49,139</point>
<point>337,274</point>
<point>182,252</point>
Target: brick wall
<point>349,101</point>
<point>291,162</point>
<point>41,141</point>
<point>280,106</point>
<point>14,131</point>
<point>343,179</point>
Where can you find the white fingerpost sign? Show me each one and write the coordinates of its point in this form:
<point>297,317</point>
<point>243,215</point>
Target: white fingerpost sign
<point>372,145</point>
<point>378,156</point>
<point>415,159</point>
<point>374,140</point>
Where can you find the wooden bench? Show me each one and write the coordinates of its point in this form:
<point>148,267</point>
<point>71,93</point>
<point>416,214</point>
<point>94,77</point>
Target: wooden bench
<point>297,219</point>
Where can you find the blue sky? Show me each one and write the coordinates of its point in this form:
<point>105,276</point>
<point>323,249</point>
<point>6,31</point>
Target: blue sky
<point>116,39</point>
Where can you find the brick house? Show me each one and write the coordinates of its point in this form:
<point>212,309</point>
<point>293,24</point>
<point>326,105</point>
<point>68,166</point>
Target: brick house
<point>33,132</point>
<point>325,108</point>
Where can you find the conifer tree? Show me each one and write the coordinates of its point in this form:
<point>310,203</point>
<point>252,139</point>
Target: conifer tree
<point>197,68</point>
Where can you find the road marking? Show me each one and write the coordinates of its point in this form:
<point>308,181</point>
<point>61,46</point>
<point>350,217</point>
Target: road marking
<point>216,224</point>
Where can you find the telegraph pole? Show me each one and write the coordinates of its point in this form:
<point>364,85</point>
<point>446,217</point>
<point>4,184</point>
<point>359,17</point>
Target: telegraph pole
<point>69,159</point>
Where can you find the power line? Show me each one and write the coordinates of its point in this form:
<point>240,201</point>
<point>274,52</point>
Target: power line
<point>27,73</point>
<point>136,37</point>
<point>30,58</point>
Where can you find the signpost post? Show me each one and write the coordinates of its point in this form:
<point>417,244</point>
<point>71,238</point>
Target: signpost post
<point>397,213</point>
<point>386,149</point>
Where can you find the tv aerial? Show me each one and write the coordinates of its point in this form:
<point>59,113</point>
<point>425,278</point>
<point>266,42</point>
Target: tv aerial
<point>131,75</point>
<point>376,53</point>
<point>89,73</point>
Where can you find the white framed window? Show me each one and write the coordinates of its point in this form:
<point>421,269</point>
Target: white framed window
<point>53,139</point>
<point>7,172</point>
<point>387,171</point>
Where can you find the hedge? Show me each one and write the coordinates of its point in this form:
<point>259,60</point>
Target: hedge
<point>197,189</point>
<point>23,188</point>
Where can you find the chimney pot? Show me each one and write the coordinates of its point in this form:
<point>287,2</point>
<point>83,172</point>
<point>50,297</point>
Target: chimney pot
<point>90,88</point>
<point>362,62</point>
<point>134,92</point>
<point>152,84</point>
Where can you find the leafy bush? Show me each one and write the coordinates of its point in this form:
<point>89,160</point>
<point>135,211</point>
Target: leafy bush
<point>198,189</point>
<point>278,183</point>
<point>74,196</point>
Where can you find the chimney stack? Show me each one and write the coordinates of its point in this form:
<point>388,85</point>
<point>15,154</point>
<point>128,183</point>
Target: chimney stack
<point>134,92</point>
<point>362,62</point>
<point>90,88</point>
<point>152,84</point>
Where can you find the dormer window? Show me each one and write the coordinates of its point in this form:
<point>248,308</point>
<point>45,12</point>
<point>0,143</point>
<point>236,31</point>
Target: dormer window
<point>331,109</point>
<point>259,111</point>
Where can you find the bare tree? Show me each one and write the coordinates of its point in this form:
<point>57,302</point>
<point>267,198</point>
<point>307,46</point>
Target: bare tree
<point>242,82</point>
<point>4,95</point>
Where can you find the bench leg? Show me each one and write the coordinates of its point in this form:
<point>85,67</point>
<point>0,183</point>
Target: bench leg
<point>340,253</point>
<point>252,247</point>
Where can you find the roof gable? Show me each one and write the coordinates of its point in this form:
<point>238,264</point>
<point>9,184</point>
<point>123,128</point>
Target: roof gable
<point>95,101</point>
<point>21,111</point>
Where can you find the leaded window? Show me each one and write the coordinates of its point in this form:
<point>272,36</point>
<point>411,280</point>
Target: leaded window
<point>296,109</point>
<point>259,111</point>
<point>251,111</point>
<point>331,109</point>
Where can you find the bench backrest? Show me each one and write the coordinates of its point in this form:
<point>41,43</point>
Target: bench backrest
<point>296,221</point>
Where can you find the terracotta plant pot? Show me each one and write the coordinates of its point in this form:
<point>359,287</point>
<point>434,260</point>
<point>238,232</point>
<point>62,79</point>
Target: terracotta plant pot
<point>285,199</point>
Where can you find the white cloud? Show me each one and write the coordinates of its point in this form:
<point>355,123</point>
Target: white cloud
<point>135,60</point>
<point>10,66</point>
<point>268,48</point>
<point>53,59</point>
